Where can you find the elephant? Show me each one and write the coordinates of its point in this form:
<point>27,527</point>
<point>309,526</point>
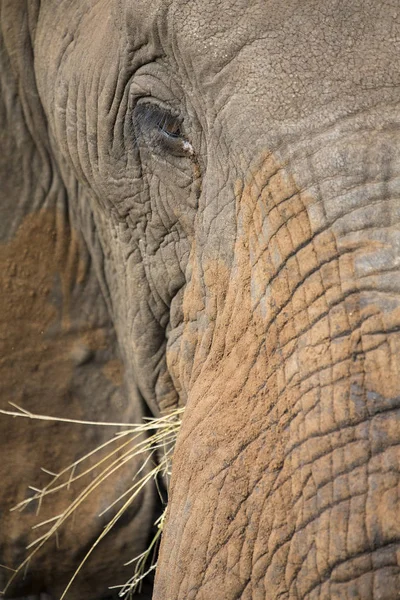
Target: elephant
<point>200,208</point>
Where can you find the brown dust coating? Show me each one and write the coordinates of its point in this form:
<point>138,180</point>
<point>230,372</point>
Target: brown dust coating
<point>281,475</point>
<point>57,357</point>
<point>114,371</point>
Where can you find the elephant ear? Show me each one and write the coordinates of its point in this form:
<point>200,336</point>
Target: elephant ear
<point>58,350</point>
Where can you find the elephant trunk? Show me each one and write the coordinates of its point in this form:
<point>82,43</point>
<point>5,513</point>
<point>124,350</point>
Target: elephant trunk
<point>286,472</point>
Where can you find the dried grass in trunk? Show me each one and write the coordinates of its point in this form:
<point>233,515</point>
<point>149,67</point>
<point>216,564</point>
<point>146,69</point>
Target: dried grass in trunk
<point>127,444</point>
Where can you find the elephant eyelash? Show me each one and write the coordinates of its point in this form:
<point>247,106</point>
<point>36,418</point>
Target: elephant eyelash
<point>161,128</point>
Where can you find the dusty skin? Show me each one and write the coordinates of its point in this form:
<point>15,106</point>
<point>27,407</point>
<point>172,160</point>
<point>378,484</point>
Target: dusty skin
<point>199,207</point>
<point>45,362</point>
<point>301,339</point>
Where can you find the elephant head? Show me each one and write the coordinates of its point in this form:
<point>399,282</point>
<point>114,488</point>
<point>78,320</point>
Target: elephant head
<point>233,169</point>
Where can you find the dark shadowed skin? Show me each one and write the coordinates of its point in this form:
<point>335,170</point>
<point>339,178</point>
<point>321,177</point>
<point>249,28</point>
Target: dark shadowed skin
<point>217,187</point>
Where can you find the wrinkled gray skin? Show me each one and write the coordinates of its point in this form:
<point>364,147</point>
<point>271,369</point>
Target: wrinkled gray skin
<point>248,262</point>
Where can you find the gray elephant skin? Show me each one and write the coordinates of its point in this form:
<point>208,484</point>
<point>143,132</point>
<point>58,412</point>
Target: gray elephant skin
<point>200,207</point>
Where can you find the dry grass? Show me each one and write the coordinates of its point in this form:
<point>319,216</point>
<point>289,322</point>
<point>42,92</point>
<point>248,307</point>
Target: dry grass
<point>156,449</point>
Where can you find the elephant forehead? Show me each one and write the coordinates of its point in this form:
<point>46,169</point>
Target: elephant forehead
<point>313,29</point>
<point>291,56</point>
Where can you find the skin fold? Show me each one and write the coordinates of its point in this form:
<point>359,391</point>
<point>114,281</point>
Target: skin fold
<point>201,208</point>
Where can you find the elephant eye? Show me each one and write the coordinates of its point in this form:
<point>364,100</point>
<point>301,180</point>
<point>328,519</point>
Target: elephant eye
<point>170,127</point>
<point>161,129</point>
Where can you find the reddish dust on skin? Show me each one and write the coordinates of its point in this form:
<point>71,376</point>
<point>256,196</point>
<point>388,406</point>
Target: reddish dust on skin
<point>285,361</point>
<point>29,266</point>
<point>34,331</point>
<point>35,369</point>
<point>40,350</point>
<point>114,371</point>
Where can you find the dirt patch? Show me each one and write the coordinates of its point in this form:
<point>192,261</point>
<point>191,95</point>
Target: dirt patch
<point>287,361</point>
<point>114,371</point>
<point>42,253</point>
<point>58,357</point>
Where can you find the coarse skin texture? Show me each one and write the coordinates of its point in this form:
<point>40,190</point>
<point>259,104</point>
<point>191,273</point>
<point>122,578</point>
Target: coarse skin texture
<point>209,192</point>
